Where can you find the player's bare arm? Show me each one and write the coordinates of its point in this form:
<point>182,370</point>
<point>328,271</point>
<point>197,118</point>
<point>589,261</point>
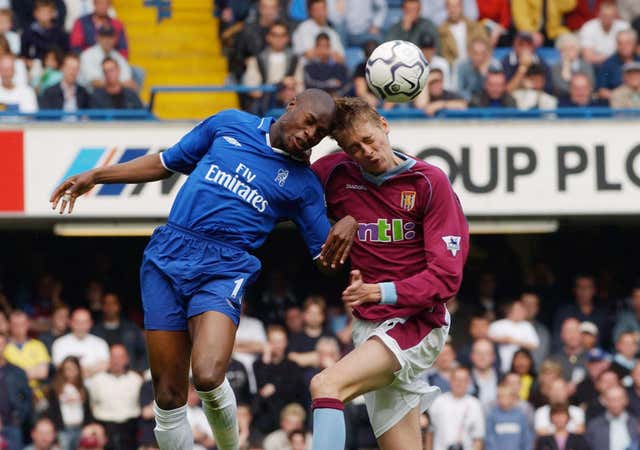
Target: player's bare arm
<point>139,170</point>
<point>336,248</point>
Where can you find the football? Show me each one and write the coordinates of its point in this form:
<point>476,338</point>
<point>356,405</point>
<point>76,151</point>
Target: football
<point>396,71</point>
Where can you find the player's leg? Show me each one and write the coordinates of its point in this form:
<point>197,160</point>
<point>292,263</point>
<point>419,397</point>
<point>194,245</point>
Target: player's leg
<point>213,335</point>
<point>369,367</point>
<point>404,435</point>
<point>169,362</point>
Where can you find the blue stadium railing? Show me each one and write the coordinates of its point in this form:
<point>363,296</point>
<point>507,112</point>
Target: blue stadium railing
<point>80,115</point>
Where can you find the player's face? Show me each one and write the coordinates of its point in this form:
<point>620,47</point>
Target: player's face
<point>304,126</point>
<point>368,144</point>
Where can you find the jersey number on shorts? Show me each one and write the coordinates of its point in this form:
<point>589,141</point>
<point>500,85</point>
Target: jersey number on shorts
<point>236,289</point>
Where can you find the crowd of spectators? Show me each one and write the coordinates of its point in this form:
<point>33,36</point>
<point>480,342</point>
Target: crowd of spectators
<point>523,54</point>
<point>64,55</point>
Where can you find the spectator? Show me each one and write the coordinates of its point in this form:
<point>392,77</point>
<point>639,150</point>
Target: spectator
<point>484,375</point>
<point>43,436</point>
<point>21,98</point>
<point>80,8</point>
<point>251,342</point>
<point>91,59</point>
<point>49,72</point>
<point>513,332</point>
<point>297,440</point>
<point>634,391</point>
<point>302,345</point>
<point>114,94</point>
<point>15,402</point>
<point>279,380</point>
<point>202,434</point>
<point>293,320</point>
<point>530,94</point>
<point>583,309</point>
<point>29,354</point>
<point>570,63</point>
<point>360,86</point>
<point>443,368</point>
<point>43,34</point>
<point>625,359</point>
<point>328,352</point>
<point>6,25</point>
<point>580,93</point>
<point>520,58</point>
<point>561,438</point>
<point>598,36</point>
<point>304,37</point>
<point>522,364</point>
<point>114,397</point>
<point>93,437</point>
<point>478,329</point>
<point>472,72</point>
<point>429,50</point>
<point>456,417</point>
<point>571,356</point>
<point>615,430</point>
<point>278,296</point>
<point>514,382</point>
<point>411,27</point>
<point>23,12</point>
<point>21,76</point>
<point>588,336</point>
<point>495,15</point>
<point>239,381</point>
<point>84,32</point>
<point>436,10</point>
<point>629,321</point>
<point>68,400</point>
<point>597,362</point>
<point>629,10</point>
<point>69,96</point>
<point>609,75</point>
<point>457,32</point>
<point>435,98</point>
<point>507,427</point>
<point>544,23</point>
<point>275,63</point>
<point>116,330</point>
<point>59,323</point>
<point>584,11</point>
<point>92,351</point>
<point>549,372</point>
<point>250,437</point>
<point>358,21</point>
<point>628,95</point>
<point>558,394</point>
<point>292,418</point>
<point>531,303</point>
<point>597,406</point>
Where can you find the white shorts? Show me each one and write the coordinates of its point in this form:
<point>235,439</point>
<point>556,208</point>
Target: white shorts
<point>416,345</point>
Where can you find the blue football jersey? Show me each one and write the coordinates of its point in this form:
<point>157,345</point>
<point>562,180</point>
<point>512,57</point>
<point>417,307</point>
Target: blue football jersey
<point>239,186</point>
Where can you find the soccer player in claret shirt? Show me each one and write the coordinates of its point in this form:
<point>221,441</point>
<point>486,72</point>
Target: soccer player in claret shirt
<point>407,261</point>
<point>243,178</point>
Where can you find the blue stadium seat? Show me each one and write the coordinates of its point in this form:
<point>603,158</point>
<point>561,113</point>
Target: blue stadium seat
<point>548,54</point>
<point>353,56</point>
<point>393,15</point>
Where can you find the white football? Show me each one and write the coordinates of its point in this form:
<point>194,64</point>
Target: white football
<point>397,71</point>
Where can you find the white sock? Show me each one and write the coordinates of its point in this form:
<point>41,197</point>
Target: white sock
<point>219,406</point>
<point>172,430</point>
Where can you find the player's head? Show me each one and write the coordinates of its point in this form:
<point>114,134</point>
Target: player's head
<point>363,134</point>
<point>306,121</point>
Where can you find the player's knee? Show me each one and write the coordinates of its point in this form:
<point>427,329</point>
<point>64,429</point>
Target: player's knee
<point>324,385</point>
<point>208,375</point>
<point>170,397</point>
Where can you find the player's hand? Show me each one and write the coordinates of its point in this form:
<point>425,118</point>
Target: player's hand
<point>338,244</point>
<point>70,190</point>
<point>359,292</point>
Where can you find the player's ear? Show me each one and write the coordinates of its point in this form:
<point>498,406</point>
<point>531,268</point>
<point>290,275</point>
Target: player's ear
<point>292,104</point>
<point>384,125</point>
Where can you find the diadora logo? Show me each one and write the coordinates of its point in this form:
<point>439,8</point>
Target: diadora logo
<point>232,141</point>
<point>356,187</point>
<point>383,231</point>
<point>91,157</point>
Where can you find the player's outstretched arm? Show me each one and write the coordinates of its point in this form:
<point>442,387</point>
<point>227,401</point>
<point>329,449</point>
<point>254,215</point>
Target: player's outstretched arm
<point>336,248</point>
<point>139,170</point>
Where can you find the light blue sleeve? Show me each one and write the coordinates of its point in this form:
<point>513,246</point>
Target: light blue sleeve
<point>185,154</point>
<point>311,215</point>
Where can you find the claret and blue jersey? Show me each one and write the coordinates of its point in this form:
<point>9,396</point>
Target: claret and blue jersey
<point>238,188</point>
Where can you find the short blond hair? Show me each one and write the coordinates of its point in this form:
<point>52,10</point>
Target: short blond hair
<point>349,112</point>
<point>293,409</point>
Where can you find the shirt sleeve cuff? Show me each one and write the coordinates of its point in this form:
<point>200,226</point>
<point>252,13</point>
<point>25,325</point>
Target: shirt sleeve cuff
<point>165,164</point>
<point>388,293</point>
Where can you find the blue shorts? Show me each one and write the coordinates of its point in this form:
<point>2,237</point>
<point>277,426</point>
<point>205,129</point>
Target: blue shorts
<point>184,274</point>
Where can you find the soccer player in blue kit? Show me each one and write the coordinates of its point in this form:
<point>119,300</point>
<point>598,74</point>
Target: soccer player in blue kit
<point>245,174</point>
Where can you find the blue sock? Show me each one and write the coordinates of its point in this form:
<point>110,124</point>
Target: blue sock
<point>328,424</point>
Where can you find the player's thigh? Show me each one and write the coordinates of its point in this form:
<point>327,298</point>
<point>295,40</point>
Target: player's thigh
<point>368,367</point>
<point>213,334</point>
<point>169,353</point>
<point>404,435</point>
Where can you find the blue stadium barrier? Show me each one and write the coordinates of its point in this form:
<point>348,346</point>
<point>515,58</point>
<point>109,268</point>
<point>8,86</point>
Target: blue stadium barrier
<point>80,115</point>
<point>548,54</point>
